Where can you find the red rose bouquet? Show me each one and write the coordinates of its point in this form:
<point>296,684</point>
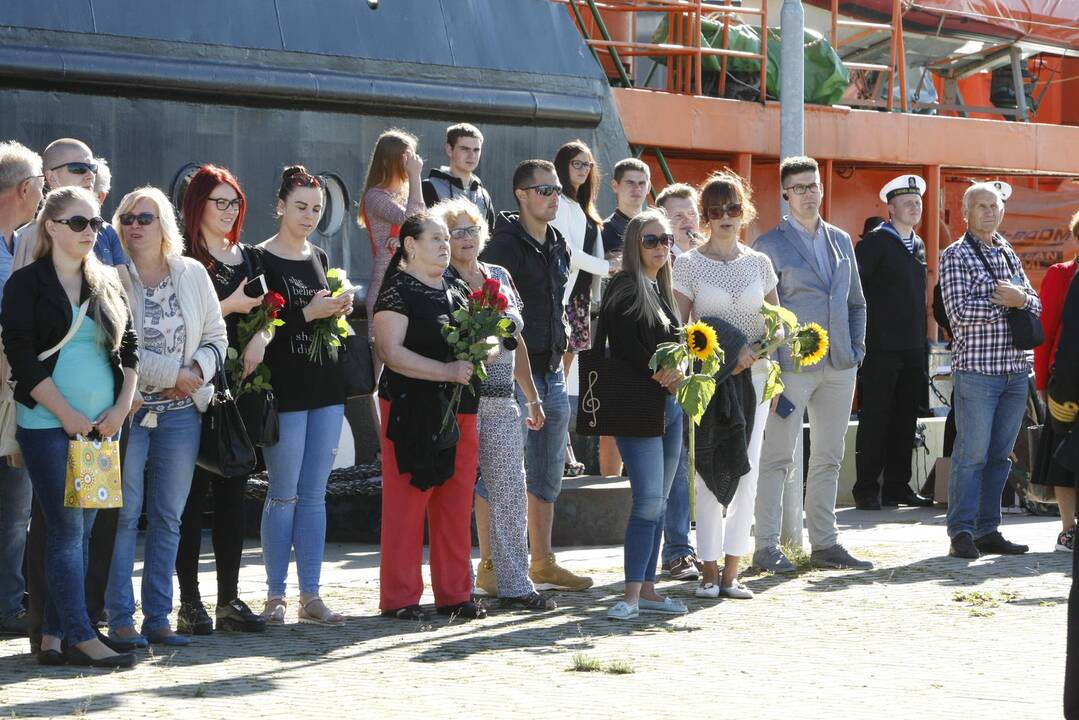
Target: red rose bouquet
<point>261,319</point>
<point>473,332</point>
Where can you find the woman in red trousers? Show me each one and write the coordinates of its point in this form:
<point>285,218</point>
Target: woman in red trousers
<point>425,471</point>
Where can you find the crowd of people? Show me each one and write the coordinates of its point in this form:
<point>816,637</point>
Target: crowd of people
<point>119,329</point>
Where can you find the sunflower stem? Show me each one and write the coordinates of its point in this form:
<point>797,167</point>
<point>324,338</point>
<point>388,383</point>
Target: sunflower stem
<point>692,469</point>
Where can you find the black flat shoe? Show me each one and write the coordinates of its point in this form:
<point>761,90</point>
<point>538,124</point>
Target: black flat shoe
<point>412,612</point>
<point>118,645</point>
<point>995,544</point>
<point>867,504</point>
<point>78,657</point>
<point>51,657</point>
<point>911,499</point>
<point>533,603</point>
<point>963,547</point>
<point>466,611</point>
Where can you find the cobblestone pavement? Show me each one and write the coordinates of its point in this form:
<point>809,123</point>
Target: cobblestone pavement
<point>922,635</point>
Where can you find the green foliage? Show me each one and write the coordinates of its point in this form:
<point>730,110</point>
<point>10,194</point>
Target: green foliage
<point>773,384</point>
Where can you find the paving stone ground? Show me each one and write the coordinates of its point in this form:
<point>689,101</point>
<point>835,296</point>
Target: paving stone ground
<point>893,642</point>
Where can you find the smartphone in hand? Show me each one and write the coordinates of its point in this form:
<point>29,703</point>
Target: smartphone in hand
<point>784,407</point>
<point>256,287</point>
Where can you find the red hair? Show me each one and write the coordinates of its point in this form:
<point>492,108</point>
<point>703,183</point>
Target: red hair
<point>199,188</point>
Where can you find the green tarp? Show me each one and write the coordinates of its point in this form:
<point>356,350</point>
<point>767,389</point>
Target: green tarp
<point>825,76</point>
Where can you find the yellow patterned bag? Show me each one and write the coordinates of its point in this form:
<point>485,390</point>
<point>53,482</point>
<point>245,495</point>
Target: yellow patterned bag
<point>93,474</point>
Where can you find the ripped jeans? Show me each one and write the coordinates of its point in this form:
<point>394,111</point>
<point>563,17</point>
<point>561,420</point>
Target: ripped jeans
<point>294,515</point>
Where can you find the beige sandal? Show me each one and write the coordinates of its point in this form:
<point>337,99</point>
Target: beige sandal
<point>274,611</point>
<point>322,615</point>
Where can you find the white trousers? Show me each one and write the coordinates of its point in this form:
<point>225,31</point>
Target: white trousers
<point>718,536</point>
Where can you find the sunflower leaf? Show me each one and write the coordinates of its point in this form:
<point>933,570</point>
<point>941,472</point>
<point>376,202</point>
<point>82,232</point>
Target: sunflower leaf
<point>695,394</point>
<point>773,384</point>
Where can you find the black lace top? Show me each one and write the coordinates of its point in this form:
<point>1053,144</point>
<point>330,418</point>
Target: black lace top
<point>427,309</point>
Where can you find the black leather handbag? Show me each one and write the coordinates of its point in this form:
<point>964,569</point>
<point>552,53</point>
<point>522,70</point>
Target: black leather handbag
<point>1027,332</point>
<point>225,448</point>
<point>258,410</point>
<point>613,398</point>
<point>357,366</point>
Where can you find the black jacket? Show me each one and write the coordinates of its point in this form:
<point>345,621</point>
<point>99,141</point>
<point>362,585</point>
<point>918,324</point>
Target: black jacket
<point>36,315</point>
<point>442,185</point>
<point>540,273</point>
<point>893,280</point>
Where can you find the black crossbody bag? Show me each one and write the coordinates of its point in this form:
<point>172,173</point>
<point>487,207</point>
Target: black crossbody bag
<point>258,408</point>
<point>1027,332</point>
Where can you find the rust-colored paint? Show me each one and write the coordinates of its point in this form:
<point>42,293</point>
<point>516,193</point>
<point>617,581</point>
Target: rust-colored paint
<point>704,125</point>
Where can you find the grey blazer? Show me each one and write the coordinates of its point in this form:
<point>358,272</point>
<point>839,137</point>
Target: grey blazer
<point>838,308</point>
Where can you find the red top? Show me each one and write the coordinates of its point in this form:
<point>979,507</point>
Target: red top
<point>1053,291</point>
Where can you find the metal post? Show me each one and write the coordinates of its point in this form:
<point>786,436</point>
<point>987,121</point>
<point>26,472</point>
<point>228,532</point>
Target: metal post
<point>791,82</point>
<point>1020,86</point>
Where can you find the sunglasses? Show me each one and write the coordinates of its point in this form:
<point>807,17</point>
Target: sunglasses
<point>651,242</point>
<point>545,190</point>
<point>142,218</point>
<point>79,223</point>
<point>463,232</point>
<point>581,164</point>
<point>224,204</point>
<point>733,210</point>
<point>78,168</point>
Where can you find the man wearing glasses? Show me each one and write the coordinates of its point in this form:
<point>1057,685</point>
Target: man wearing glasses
<point>21,182</point>
<point>818,282</point>
<point>535,254</point>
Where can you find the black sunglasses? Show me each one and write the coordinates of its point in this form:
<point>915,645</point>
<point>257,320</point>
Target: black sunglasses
<point>651,242</point>
<point>79,223</point>
<point>224,204</point>
<point>732,210</point>
<point>78,168</point>
<point>142,218</point>
<point>545,190</point>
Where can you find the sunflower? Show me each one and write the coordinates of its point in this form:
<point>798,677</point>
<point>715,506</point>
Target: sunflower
<point>812,344</point>
<point>701,340</point>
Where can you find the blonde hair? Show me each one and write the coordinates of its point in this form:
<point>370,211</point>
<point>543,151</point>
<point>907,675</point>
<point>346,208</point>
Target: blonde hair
<point>451,209</point>
<point>110,311</point>
<point>172,242</point>
<point>387,164</point>
<point>643,304</point>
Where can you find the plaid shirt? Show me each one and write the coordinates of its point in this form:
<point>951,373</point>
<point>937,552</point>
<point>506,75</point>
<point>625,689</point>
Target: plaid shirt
<point>983,340</point>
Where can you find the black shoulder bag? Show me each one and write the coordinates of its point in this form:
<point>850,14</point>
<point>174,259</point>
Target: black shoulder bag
<point>225,449</point>
<point>354,356</point>
<point>258,408</point>
<point>1027,332</point>
<point>613,398</point>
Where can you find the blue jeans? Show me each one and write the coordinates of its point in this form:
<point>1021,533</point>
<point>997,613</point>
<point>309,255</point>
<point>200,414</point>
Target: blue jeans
<point>157,471</point>
<point>651,463</point>
<point>545,449</point>
<point>676,519</point>
<point>988,412</point>
<point>67,535</point>
<point>15,496</point>
<point>294,515</point>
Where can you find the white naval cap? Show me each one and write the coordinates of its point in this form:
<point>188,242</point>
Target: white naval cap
<point>902,185</point>
<point>1003,189</point>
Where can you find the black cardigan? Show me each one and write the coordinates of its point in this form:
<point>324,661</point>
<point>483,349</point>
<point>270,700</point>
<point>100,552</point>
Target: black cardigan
<point>631,340</point>
<point>893,280</point>
<point>36,315</point>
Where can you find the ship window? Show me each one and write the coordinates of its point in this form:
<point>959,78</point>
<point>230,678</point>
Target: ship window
<point>337,207</point>
<point>179,184</point>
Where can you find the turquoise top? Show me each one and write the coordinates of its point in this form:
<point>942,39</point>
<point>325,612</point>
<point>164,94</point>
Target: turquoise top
<point>82,375</point>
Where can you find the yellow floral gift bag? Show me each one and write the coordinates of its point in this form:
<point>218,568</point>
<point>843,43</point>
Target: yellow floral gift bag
<point>93,474</point>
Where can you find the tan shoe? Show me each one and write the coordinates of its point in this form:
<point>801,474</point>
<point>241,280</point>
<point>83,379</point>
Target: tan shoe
<point>486,580</point>
<point>549,575</point>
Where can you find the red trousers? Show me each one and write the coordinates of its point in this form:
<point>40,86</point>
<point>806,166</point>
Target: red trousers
<point>448,510</point>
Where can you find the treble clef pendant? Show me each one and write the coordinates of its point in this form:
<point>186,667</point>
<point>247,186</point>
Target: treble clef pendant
<point>589,402</point>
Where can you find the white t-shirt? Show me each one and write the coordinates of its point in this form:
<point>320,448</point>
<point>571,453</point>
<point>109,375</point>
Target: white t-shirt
<point>733,291</point>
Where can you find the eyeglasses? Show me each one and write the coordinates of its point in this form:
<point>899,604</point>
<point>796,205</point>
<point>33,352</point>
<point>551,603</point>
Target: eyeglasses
<point>462,232</point>
<point>79,223</point>
<point>31,177</point>
<point>224,204</point>
<point>651,242</point>
<point>803,189</point>
<point>545,190</point>
<point>581,164</point>
<point>732,210</point>
<point>78,168</point>
<point>142,218</point>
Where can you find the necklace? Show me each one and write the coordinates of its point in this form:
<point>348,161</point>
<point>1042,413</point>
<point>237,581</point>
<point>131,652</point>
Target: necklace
<point>704,250</point>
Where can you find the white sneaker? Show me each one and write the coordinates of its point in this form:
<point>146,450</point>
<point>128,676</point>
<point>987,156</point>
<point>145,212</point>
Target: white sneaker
<point>737,591</point>
<point>707,590</point>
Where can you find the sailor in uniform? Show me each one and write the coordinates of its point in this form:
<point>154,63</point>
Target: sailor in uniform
<point>893,379</point>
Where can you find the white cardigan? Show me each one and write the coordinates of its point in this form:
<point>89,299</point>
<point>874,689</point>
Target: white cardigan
<point>202,317</point>
<point>572,223</point>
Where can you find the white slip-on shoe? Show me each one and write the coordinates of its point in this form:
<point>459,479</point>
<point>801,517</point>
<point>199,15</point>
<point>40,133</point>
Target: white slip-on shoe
<point>667,606</point>
<point>737,591</point>
<point>707,590</point>
<point>622,610</point>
